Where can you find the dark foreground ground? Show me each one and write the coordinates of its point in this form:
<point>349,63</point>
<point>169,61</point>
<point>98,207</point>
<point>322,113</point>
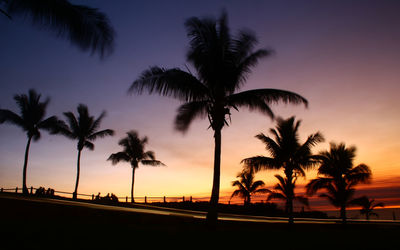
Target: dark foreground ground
<point>27,224</point>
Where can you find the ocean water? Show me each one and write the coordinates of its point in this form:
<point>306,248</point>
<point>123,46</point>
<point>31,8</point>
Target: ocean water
<point>383,214</point>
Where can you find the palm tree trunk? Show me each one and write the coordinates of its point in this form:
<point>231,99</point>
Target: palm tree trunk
<point>133,182</point>
<point>78,170</point>
<point>24,187</point>
<point>343,213</point>
<point>290,211</point>
<point>212,214</point>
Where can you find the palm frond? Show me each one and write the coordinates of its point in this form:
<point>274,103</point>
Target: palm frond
<point>260,162</point>
<point>276,195</point>
<point>252,102</point>
<point>7,116</point>
<point>52,124</point>
<point>89,145</point>
<point>96,124</point>
<point>73,127</point>
<point>270,145</point>
<point>271,96</point>
<point>117,157</point>
<point>153,163</point>
<point>149,155</point>
<point>316,184</point>
<point>85,27</point>
<point>101,134</point>
<point>187,112</point>
<point>169,82</point>
<point>359,174</point>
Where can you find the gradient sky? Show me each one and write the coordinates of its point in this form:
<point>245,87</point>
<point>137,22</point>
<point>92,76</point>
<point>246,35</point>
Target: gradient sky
<point>343,56</point>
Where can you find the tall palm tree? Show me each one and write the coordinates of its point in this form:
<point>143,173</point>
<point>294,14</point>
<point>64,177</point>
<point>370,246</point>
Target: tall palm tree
<point>288,153</point>
<point>83,128</point>
<point>222,63</point>
<point>338,176</point>
<point>285,191</point>
<point>134,153</point>
<point>247,186</point>
<point>32,120</point>
<point>85,27</point>
<point>367,206</point>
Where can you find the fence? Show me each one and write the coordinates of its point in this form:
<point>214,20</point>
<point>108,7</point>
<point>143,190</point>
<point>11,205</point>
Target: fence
<point>142,199</point>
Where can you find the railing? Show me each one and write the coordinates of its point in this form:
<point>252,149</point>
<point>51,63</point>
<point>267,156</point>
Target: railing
<point>139,199</point>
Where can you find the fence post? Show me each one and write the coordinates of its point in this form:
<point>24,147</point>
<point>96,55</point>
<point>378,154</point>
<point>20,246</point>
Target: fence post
<point>31,190</point>
<point>145,199</point>
<point>190,199</point>
<point>16,189</point>
<point>183,198</point>
<point>165,200</point>
<point>2,190</point>
<point>92,196</point>
<point>126,199</point>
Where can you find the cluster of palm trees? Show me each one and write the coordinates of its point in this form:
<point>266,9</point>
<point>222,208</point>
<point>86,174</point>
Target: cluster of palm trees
<point>221,63</point>
<point>337,174</point>
<point>82,127</point>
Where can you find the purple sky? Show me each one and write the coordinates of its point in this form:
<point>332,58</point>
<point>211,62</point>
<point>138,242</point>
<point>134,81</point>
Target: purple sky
<point>343,56</point>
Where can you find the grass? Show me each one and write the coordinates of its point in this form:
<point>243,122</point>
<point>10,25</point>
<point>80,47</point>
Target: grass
<point>37,224</point>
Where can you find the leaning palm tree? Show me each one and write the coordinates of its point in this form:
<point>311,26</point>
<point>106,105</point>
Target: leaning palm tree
<point>338,176</point>
<point>222,64</point>
<point>288,153</point>
<point>83,128</point>
<point>134,153</point>
<point>32,120</point>
<point>247,187</point>
<point>284,190</point>
<point>367,206</point>
<point>85,27</point>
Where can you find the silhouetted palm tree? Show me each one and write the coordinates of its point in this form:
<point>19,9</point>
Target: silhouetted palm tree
<point>287,153</point>
<point>134,153</point>
<point>222,64</point>
<point>85,27</point>
<point>31,120</point>
<point>285,191</point>
<point>247,186</point>
<point>83,128</point>
<point>340,176</point>
<point>367,206</point>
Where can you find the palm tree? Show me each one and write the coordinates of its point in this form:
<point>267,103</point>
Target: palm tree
<point>83,128</point>
<point>134,153</point>
<point>247,186</point>
<point>367,206</point>
<point>222,63</point>
<point>85,27</point>
<point>288,153</point>
<point>32,120</point>
<point>339,176</point>
<point>285,191</point>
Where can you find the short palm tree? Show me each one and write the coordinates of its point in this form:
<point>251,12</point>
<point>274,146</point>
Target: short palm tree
<point>84,26</point>
<point>83,128</point>
<point>288,153</point>
<point>367,206</point>
<point>338,176</point>
<point>134,153</point>
<point>247,187</point>
<point>284,190</point>
<point>222,64</point>
<point>32,120</point>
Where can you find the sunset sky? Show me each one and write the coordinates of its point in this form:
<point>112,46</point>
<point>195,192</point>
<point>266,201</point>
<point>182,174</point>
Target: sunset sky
<point>343,56</point>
